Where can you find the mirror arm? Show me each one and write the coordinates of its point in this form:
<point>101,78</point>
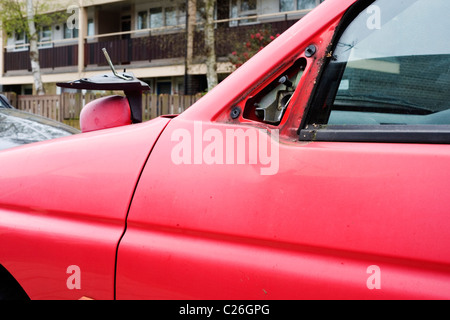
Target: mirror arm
<point>135,101</point>
<point>113,69</point>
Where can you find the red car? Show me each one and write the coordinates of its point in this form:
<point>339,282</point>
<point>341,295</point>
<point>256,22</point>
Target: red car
<point>320,169</point>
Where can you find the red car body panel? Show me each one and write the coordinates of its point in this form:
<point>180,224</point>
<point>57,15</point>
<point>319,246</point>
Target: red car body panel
<point>309,232</point>
<point>64,203</point>
<point>315,28</point>
<point>141,226</point>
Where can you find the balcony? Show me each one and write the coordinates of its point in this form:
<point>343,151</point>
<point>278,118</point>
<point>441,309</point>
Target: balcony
<point>55,57</point>
<point>134,48</point>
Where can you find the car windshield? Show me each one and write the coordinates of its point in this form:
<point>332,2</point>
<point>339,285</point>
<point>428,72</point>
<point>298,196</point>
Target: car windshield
<point>4,103</point>
<point>19,128</point>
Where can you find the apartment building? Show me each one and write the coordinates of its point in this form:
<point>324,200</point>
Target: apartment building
<point>146,37</point>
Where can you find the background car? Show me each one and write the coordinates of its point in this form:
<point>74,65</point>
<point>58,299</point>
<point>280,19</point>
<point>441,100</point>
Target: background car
<point>18,127</point>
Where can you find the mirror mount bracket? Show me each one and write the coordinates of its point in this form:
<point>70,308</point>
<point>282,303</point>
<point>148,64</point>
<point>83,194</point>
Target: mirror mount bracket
<point>125,81</point>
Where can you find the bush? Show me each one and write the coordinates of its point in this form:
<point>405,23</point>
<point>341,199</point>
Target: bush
<point>252,46</point>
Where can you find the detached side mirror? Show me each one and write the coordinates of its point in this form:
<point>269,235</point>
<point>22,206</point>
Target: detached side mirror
<point>104,111</point>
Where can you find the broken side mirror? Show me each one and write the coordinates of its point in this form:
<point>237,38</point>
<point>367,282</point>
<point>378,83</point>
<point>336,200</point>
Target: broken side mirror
<point>111,111</point>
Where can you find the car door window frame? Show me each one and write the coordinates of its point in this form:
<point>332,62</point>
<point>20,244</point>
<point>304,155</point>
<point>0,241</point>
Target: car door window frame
<point>315,127</point>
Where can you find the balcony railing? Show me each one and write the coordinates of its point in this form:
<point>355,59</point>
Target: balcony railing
<point>141,45</point>
<point>52,57</point>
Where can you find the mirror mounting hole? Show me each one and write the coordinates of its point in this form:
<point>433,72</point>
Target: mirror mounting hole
<point>270,103</point>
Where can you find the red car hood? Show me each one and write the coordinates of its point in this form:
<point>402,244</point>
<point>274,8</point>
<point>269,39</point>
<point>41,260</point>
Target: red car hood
<point>86,174</point>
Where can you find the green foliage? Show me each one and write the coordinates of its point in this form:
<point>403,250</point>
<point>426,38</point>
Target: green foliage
<point>13,16</point>
<point>256,42</point>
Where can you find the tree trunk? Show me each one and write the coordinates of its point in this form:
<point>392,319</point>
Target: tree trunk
<point>190,32</point>
<point>211,64</point>
<point>34,50</point>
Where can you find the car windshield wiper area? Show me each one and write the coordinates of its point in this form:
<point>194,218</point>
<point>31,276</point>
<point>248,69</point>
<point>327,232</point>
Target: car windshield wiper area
<point>378,106</point>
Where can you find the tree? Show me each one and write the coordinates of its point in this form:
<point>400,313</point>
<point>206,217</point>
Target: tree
<point>204,10</point>
<point>28,18</point>
<point>191,21</point>
<point>34,50</point>
<point>211,62</point>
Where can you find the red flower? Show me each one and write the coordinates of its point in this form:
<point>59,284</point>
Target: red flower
<point>248,48</point>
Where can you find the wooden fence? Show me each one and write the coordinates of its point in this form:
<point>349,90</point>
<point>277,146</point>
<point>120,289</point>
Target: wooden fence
<point>67,106</point>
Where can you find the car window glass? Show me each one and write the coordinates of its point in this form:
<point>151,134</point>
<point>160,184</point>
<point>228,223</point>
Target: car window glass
<point>392,66</point>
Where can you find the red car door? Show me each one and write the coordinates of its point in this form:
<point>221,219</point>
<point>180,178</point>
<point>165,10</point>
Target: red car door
<point>332,185</point>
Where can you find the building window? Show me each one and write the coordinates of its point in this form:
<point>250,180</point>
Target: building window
<point>161,17</point>
<point>70,33</point>
<point>20,40</point>
<point>171,16</point>
<point>201,17</point>
<point>292,5</point>
<point>241,9</point>
<point>90,27</point>
<point>156,18</point>
<point>45,37</point>
<point>142,20</point>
